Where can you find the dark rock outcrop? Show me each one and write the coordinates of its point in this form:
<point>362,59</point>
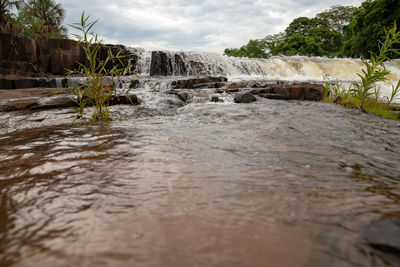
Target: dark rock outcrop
<point>26,82</point>
<point>43,56</point>
<point>300,91</point>
<point>200,82</point>
<point>166,64</point>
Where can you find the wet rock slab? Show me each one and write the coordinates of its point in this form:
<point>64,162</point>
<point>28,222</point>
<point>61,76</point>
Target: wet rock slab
<point>200,82</point>
<point>45,98</point>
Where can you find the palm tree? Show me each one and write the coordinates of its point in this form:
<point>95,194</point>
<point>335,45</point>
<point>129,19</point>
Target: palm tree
<point>5,6</point>
<point>50,13</point>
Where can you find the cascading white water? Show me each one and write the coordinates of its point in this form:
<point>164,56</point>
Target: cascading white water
<point>295,68</point>
<point>143,60</point>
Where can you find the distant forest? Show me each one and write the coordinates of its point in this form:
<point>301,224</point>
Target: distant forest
<point>341,31</point>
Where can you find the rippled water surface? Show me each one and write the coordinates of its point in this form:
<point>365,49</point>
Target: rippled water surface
<point>273,183</point>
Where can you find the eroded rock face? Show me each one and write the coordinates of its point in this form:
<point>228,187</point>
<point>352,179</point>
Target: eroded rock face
<point>164,64</point>
<point>41,56</point>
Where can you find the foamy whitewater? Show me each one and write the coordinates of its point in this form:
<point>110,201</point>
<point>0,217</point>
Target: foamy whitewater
<point>295,68</point>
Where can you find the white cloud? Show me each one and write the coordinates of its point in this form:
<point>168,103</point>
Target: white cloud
<point>210,25</point>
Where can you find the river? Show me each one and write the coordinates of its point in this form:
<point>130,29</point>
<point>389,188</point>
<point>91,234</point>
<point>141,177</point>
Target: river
<point>271,183</point>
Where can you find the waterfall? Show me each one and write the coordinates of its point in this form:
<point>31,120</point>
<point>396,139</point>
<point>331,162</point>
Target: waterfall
<point>299,68</point>
<point>140,60</point>
<point>294,68</point>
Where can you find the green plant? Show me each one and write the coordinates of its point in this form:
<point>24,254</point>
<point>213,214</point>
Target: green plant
<point>367,94</point>
<point>50,14</point>
<point>81,100</point>
<point>375,70</point>
<point>93,91</point>
<point>395,93</point>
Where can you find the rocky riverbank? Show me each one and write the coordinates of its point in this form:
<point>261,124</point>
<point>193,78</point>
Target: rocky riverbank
<point>213,87</point>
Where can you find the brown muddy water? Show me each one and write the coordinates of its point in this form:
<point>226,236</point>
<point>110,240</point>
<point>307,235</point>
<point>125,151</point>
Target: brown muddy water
<point>272,183</point>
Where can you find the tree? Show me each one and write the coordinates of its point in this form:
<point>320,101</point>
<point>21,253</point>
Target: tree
<point>298,44</point>
<point>253,49</point>
<point>304,25</point>
<point>50,13</point>
<point>308,37</point>
<point>5,7</point>
<point>368,26</point>
<point>338,16</point>
<point>29,25</point>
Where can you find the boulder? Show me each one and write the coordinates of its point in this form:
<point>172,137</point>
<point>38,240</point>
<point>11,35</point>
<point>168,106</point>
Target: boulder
<point>245,97</point>
<point>215,98</point>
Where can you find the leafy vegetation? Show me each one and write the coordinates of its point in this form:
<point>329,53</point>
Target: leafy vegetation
<point>366,94</point>
<point>95,90</point>
<point>49,13</point>
<point>254,49</point>
<point>341,31</point>
<point>367,27</point>
<point>35,17</point>
<point>318,36</point>
<point>5,7</point>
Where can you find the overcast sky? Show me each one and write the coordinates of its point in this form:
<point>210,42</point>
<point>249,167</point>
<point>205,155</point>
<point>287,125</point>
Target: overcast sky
<point>208,25</point>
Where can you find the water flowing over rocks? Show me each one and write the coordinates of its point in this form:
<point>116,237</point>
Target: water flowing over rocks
<point>233,184</point>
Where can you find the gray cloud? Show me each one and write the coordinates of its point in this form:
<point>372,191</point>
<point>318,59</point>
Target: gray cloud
<point>192,24</point>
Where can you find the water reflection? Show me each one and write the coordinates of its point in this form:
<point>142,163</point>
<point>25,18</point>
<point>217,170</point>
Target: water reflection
<point>277,183</point>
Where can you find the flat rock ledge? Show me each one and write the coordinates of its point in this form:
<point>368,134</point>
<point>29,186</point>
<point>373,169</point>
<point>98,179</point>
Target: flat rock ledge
<point>44,98</point>
<point>311,92</point>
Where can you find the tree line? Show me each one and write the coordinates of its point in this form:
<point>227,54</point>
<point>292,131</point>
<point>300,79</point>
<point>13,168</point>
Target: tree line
<point>34,17</point>
<point>341,31</point>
